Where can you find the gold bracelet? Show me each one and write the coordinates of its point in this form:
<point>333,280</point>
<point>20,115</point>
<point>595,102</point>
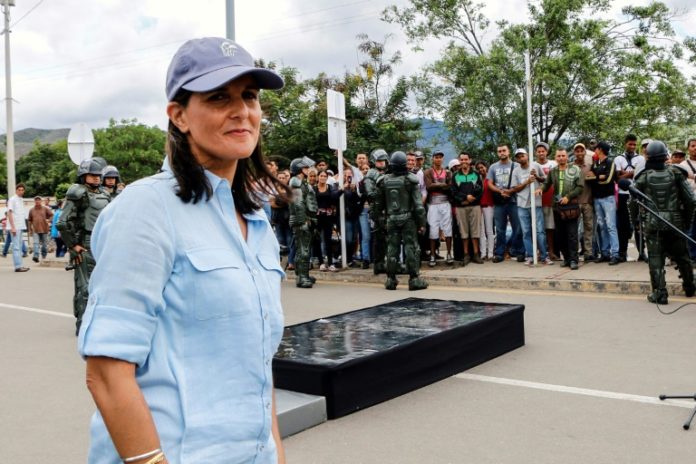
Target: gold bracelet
<point>157,459</point>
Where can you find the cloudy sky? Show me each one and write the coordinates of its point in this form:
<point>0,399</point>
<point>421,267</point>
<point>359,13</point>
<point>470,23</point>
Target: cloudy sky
<point>77,61</point>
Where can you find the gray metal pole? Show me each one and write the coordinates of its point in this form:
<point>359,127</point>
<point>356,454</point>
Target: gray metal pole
<point>528,80</point>
<point>230,19</point>
<point>10,152</point>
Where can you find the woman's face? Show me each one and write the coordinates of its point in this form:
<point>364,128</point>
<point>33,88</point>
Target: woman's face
<point>481,168</point>
<point>222,125</point>
<point>312,177</point>
<point>364,168</point>
<point>322,177</point>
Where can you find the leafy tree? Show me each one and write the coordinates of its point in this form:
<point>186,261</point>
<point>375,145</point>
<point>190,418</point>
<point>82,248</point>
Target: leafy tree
<point>592,76</point>
<point>137,150</point>
<point>295,121</point>
<point>44,167</point>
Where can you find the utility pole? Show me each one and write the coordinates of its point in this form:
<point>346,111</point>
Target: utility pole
<point>230,19</point>
<point>10,152</point>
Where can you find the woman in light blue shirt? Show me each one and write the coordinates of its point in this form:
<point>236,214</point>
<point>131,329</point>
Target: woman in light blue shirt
<point>184,313</point>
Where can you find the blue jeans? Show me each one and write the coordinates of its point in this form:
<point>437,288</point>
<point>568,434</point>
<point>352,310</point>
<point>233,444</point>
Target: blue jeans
<point>501,215</point>
<point>8,242</point>
<point>17,242</point>
<point>605,212</point>
<point>525,216</point>
<point>43,240</point>
<point>352,228</point>
<point>365,235</point>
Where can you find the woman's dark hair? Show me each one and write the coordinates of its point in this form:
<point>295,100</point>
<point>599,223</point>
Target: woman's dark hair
<point>252,178</point>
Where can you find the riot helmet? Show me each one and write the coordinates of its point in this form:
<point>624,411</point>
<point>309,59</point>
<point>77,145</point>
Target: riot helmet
<point>110,172</point>
<point>379,154</point>
<point>92,166</point>
<point>397,162</point>
<point>307,162</point>
<point>296,166</point>
<point>657,151</point>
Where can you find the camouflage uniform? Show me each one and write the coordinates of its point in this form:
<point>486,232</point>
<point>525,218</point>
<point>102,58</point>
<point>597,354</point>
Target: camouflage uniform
<point>377,218</point>
<point>303,219</point>
<point>83,203</point>
<point>675,202</point>
<point>398,196</point>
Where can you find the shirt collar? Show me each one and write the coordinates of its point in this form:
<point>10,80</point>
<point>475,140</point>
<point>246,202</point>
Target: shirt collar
<point>215,181</point>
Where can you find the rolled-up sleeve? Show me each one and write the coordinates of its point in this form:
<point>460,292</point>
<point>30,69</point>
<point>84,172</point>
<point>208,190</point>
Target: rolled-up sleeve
<point>133,245</point>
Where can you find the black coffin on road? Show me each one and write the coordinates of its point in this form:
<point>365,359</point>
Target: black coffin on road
<point>364,357</point>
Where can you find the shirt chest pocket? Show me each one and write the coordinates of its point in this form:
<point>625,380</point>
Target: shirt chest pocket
<point>220,283</point>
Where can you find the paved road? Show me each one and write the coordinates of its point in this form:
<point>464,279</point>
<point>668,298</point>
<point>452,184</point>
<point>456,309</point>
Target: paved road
<point>580,391</point>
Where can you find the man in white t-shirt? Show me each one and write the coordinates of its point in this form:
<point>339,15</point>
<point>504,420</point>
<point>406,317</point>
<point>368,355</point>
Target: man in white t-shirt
<point>626,165</point>
<point>541,153</point>
<point>16,218</point>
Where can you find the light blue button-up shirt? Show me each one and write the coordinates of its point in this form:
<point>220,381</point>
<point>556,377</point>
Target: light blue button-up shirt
<point>178,292</point>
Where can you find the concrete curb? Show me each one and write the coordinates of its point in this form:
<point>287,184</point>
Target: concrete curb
<point>447,279</point>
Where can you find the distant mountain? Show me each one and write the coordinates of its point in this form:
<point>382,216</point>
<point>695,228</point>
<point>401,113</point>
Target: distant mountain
<point>25,138</point>
<point>435,137</point>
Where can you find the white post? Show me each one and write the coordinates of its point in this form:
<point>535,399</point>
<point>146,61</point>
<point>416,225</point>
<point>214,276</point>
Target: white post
<point>528,78</point>
<point>230,19</point>
<point>342,210</point>
<point>10,152</point>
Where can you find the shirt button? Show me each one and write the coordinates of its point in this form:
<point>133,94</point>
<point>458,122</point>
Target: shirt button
<point>268,405</point>
<point>255,271</point>
<point>265,316</point>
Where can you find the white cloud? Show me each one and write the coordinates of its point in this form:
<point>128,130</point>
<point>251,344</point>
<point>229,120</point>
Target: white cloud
<point>90,61</point>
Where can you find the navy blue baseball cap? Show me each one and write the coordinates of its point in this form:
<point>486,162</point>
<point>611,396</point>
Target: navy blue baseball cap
<point>202,65</point>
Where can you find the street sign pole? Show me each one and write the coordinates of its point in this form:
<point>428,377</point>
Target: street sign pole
<point>336,109</point>
<point>528,79</point>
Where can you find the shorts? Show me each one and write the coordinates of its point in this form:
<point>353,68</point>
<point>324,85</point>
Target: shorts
<point>548,218</point>
<point>440,219</point>
<point>469,221</point>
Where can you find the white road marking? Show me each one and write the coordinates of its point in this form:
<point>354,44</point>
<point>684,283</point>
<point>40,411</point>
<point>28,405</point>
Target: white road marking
<point>35,310</point>
<point>577,391</point>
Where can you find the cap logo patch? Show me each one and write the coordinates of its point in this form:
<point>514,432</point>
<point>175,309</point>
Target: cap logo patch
<point>228,49</point>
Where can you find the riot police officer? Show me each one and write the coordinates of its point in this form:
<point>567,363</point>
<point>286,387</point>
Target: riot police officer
<point>398,196</point>
<point>83,203</point>
<point>303,218</point>
<point>110,181</point>
<point>673,199</point>
<point>380,160</point>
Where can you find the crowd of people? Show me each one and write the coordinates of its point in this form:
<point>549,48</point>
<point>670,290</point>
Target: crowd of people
<point>484,212</point>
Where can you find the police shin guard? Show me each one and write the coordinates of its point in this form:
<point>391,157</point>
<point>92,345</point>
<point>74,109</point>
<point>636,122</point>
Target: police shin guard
<point>417,283</point>
<point>391,282</point>
<point>686,272</point>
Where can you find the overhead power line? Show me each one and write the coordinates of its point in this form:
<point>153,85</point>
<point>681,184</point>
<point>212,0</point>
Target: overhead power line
<point>26,14</point>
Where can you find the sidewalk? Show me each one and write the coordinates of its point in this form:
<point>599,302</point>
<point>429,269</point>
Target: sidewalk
<point>626,278</point>
<point>629,278</point>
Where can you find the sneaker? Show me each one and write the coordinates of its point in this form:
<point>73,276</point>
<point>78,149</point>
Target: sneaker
<point>366,265</point>
<point>528,262</point>
<point>332,268</point>
<point>478,260</point>
<point>449,260</point>
<point>21,269</point>
<point>466,260</point>
<point>520,259</point>
<point>573,266</point>
<point>548,262</point>
<point>35,259</point>
<point>323,268</point>
<point>497,259</point>
<point>614,261</point>
<point>432,263</point>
